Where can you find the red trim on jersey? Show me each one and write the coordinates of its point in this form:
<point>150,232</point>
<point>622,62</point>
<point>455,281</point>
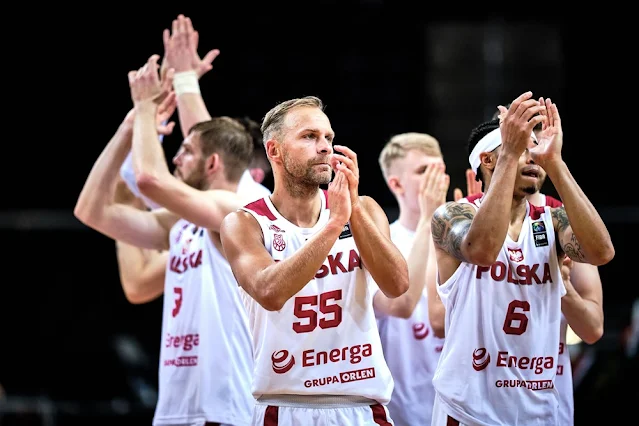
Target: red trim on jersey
<point>451,422</point>
<point>260,207</point>
<point>535,212</point>
<point>553,202</point>
<point>471,198</point>
<point>325,196</point>
<point>379,415</point>
<point>271,416</point>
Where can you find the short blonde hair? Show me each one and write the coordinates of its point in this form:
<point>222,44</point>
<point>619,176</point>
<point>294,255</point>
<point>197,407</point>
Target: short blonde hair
<point>399,145</point>
<point>274,119</point>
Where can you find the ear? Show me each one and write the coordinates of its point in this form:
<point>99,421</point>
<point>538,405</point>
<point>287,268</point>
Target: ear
<point>212,164</point>
<point>488,160</point>
<point>273,151</point>
<point>257,174</point>
<point>395,185</point>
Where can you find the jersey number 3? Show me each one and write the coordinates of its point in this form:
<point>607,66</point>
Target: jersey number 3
<point>305,309</point>
<point>516,321</point>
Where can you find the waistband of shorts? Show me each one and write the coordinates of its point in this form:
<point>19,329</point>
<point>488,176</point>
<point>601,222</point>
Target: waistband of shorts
<point>318,401</point>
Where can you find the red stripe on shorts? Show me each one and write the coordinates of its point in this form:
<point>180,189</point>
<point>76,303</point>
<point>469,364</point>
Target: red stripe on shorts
<point>452,422</point>
<point>379,415</point>
<point>271,416</point>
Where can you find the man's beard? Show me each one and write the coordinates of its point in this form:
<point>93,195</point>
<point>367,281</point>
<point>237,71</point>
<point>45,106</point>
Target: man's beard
<point>195,179</point>
<point>306,174</point>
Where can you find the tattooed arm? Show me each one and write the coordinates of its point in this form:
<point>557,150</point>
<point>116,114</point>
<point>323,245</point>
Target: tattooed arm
<point>585,239</point>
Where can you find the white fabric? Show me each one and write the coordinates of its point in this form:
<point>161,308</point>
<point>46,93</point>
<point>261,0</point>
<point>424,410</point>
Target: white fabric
<point>411,350</point>
<point>302,416</point>
<point>324,340</point>
<point>248,187</point>
<point>487,144</point>
<point>500,359</point>
<point>128,175</point>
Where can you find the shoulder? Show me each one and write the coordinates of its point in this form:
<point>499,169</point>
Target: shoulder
<point>553,202</point>
<point>453,209</point>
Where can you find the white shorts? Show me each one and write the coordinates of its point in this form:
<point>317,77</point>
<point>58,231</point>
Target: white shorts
<point>367,415</point>
<point>441,417</point>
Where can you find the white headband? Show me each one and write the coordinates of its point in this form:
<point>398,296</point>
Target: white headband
<point>487,144</point>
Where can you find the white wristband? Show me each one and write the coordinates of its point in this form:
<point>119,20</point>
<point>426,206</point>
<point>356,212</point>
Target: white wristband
<point>186,82</point>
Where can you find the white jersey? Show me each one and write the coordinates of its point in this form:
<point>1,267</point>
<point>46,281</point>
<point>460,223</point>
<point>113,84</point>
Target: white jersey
<point>412,351</point>
<point>248,187</point>
<point>206,358</point>
<point>324,340</point>
<point>499,362</point>
<point>563,381</point>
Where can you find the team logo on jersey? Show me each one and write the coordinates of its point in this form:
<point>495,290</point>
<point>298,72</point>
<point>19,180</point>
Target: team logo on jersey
<point>282,361</point>
<point>346,232</point>
<point>539,234</point>
<point>516,255</point>
<point>278,242</point>
<point>420,331</point>
<point>481,359</point>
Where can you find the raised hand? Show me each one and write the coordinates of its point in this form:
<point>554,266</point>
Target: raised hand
<point>164,113</point>
<point>346,162</point>
<point>550,139</point>
<point>433,189</point>
<point>180,48</point>
<point>473,186</point>
<point>145,83</point>
<point>518,123</point>
<point>340,198</point>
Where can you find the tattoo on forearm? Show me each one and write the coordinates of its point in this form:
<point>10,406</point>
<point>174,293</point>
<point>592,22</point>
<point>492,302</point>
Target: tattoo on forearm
<point>560,216</point>
<point>450,225</point>
<point>572,248</point>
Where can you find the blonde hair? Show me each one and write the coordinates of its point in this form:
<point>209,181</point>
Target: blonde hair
<point>274,119</point>
<point>399,145</point>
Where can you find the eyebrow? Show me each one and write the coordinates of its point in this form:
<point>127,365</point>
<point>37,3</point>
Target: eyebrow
<point>316,131</point>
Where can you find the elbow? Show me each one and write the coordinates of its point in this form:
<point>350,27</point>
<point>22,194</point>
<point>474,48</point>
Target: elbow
<point>484,257</point>
<point>133,296</point>
<point>605,254</point>
<point>147,183</point>
<point>271,303</point>
<point>398,286</point>
<point>85,214</point>
<point>594,335</point>
<point>271,300</point>
<point>482,252</point>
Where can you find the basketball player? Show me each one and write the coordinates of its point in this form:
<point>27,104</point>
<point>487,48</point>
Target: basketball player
<point>582,306</point>
<point>206,355</point>
<point>413,168</point>
<point>499,274</point>
<point>306,259</point>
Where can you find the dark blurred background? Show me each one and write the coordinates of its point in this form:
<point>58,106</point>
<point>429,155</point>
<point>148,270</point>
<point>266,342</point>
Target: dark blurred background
<point>73,350</point>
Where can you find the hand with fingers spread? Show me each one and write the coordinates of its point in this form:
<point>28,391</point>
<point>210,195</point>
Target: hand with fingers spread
<point>433,190</point>
<point>146,85</point>
<point>518,122</point>
<point>163,115</point>
<point>346,162</point>
<point>473,186</point>
<point>550,139</point>
<point>180,49</point>
<point>340,199</point>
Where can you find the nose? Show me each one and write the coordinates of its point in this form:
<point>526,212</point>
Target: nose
<point>176,158</point>
<point>324,146</point>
